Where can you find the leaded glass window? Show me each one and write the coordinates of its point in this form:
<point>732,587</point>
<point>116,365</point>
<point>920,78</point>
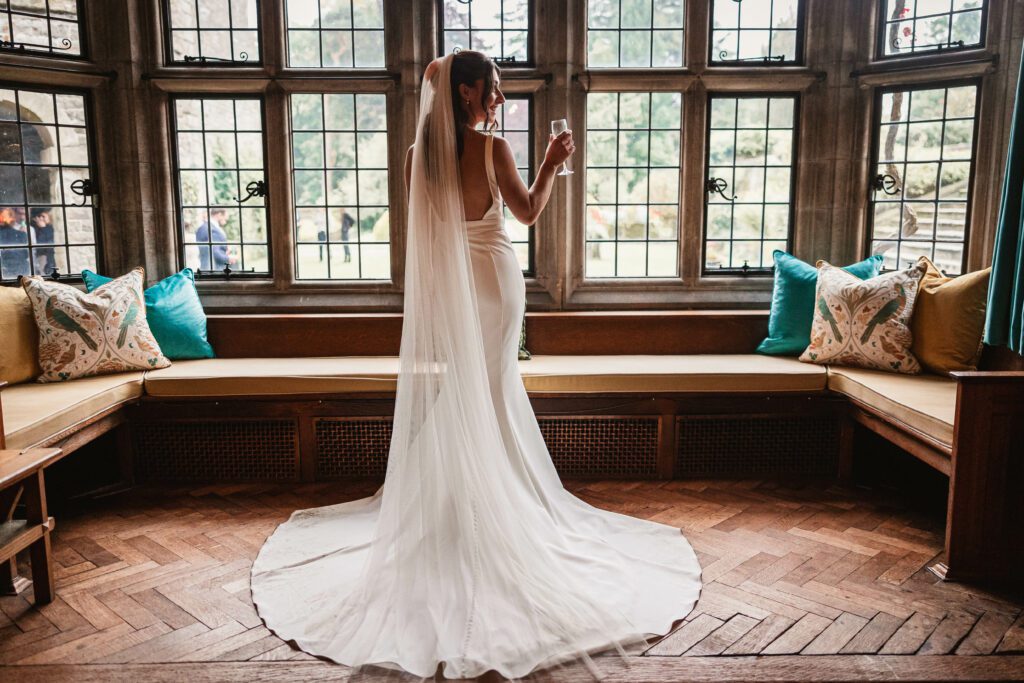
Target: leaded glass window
<point>924,158</point>
<point>47,26</point>
<point>222,31</point>
<point>499,28</point>
<point>913,26</point>
<point>749,185</point>
<point>635,33</point>
<point>632,184</point>
<point>340,186</point>
<point>514,125</point>
<point>47,214</point>
<point>219,163</point>
<point>757,31</point>
<point>339,34</point>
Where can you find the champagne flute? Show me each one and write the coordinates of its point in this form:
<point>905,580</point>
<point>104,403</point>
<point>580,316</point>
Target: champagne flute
<point>557,128</point>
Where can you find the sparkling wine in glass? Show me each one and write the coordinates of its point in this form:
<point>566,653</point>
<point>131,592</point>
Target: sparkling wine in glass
<point>557,128</point>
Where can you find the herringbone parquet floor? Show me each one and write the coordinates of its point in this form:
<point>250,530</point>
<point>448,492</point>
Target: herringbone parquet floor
<point>162,576</point>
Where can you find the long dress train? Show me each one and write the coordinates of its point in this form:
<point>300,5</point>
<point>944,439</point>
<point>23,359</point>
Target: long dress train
<point>488,562</point>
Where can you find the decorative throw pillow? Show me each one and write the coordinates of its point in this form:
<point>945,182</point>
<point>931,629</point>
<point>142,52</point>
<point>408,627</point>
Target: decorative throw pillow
<point>865,323</point>
<point>174,313</point>
<point>789,323</point>
<point>949,319</point>
<point>92,334</point>
<point>19,352</point>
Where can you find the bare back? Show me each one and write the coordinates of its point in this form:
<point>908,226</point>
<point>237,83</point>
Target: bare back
<point>476,193</point>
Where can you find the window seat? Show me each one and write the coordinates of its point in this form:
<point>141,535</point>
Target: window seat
<point>700,405</point>
<point>742,373</point>
<point>40,414</point>
<point>925,404</point>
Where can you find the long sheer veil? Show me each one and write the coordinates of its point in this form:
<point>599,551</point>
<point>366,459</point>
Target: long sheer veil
<point>454,544</point>
<point>472,553</point>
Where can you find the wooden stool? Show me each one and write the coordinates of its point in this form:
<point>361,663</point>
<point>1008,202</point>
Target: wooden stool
<point>21,474</point>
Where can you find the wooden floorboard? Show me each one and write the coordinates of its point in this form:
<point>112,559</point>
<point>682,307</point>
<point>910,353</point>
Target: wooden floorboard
<point>830,582</point>
<point>791,669</point>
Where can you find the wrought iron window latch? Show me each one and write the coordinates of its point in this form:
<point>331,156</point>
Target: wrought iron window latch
<point>952,45</point>
<point>190,59</point>
<point>227,272</point>
<point>65,44</point>
<point>767,58</point>
<point>85,188</point>
<point>256,188</point>
<point>886,183</point>
<point>719,186</point>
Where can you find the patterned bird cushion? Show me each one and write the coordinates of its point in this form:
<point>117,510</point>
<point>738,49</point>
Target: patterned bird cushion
<point>92,334</point>
<point>864,323</point>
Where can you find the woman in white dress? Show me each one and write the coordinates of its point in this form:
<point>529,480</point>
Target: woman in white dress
<point>472,556</point>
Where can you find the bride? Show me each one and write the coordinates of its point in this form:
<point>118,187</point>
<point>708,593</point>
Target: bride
<point>472,556</point>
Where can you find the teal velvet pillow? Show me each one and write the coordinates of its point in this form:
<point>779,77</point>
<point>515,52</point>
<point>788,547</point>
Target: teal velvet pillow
<point>174,312</point>
<point>789,324</point>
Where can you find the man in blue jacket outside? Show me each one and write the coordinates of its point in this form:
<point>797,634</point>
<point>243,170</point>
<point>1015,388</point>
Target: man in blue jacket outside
<point>211,237</point>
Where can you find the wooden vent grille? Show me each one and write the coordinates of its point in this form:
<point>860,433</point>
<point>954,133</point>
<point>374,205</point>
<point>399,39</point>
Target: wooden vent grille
<point>222,450</point>
<point>352,448</point>
<point>752,446</point>
<point>602,447</point>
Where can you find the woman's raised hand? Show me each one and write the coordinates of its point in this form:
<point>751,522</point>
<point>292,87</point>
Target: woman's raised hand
<point>559,149</point>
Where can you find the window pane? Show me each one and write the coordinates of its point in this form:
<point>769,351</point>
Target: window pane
<point>635,33</point>
<point>756,31</point>
<point>340,183</point>
<point>632,185</point>
<point>220,31</point>
<point>335,34</point>
<point>749,186</point>
<point>45,160</point>
<point>514,124</point>
<point>923,169</point>
<point>219,158</point>
<point>49,27</point>
<point>911,27</point>
<point>498,27</point>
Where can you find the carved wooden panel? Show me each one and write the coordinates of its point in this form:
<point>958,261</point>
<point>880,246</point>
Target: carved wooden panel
<point>216,450</point>
<point>744,446</point>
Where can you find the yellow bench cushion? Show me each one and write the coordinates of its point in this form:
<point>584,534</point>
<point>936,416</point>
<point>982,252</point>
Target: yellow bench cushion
<point>274,376</point>
<point>34,413</point>
<point>925,403</point>
<point>290,376</point>
<point>737,373</point>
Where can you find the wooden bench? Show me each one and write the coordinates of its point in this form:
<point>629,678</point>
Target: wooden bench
<point>21,480</point>
<point>979,450</point>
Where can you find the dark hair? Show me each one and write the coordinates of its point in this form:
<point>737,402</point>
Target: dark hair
<point>37,212</point>
<point>468,67</point>
<point>218,212</point>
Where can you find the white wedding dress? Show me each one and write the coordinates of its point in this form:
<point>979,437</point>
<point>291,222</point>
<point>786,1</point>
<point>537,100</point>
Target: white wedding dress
<point>472,554</point>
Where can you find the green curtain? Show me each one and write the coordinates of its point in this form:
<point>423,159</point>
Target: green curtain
<point>1005,323</point>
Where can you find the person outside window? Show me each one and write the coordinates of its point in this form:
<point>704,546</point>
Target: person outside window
<point>212,238</point>
<point>42,233</point>
<point>13,262</point>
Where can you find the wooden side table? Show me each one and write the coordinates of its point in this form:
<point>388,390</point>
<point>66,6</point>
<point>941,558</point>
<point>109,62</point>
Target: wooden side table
<point>21,478</point>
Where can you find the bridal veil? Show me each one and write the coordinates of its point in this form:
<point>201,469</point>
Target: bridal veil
<point>459,558</point>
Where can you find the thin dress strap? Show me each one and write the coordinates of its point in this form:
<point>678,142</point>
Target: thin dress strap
<point>492,180</point>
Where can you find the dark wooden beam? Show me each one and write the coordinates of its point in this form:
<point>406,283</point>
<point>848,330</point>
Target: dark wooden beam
<point>564,333</point>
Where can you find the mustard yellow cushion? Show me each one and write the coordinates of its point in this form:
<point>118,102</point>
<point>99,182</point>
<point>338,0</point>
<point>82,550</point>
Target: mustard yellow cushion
<point>19,352</point>
<point>949,320</point>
